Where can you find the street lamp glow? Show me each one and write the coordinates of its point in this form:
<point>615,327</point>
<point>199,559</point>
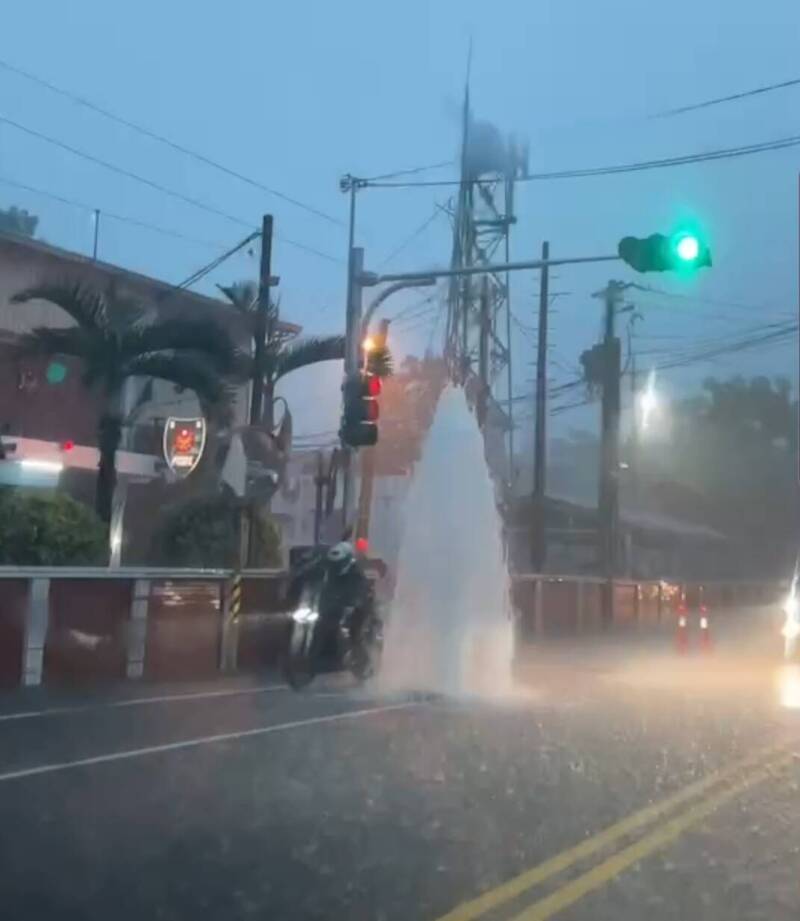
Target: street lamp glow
<point>368,344</point>
<point>648,401</point>
<point>688,248</point>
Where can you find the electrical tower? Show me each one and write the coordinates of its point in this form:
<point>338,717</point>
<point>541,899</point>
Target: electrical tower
<point>482,216</point>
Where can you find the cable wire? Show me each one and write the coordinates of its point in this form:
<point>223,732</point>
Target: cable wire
<point>411,237</point>
<point>722,99</point>
<point>725,153</point>
<point>165,190</point>
<point>180,148</point>
<point>107,214</point>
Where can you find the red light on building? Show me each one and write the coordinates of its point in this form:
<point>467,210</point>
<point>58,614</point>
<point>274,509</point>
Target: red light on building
<point>67,445</point>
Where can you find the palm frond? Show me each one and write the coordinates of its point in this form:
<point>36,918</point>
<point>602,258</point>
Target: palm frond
<point>209,341</point>
<point>243,295</point>
<point>44,340</point>
<point>306,352</point>
<point>194,372</point>
<point>380,362</point>
<point>86,306</point>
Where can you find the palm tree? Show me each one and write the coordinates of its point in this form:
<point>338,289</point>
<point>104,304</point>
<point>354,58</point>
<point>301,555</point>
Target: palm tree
<point>281,355</point>
<point>114,342</point>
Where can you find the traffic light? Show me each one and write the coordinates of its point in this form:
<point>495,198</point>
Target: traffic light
<point>361,411</point>
<point>675,252</point>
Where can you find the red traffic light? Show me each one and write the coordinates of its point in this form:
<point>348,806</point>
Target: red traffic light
<point>373,385</point>
<point>362,545</point>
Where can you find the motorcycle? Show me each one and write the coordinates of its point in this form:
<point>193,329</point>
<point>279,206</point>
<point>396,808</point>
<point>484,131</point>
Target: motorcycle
<point>319,645</point>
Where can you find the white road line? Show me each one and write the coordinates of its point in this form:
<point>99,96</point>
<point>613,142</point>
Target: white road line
<point>194,743</point>
<point>137,702</point>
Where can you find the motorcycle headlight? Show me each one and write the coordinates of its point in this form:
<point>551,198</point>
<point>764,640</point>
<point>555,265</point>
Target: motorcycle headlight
<point>304,615</point>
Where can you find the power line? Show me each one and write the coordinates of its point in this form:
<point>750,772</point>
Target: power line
<point>124,172</point>
<point>410,172</point>
<point>217,262</point>
<point>413,306</point>
<point>411,237</point>
<point>165,190</point>
<point>725,153</point>
<point>106,214</point>
<point>738,305</point>
<point>732,98</point>
<point>80,100</point>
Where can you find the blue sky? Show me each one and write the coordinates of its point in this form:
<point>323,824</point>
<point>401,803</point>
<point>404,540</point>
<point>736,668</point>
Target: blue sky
<point>296,94</point>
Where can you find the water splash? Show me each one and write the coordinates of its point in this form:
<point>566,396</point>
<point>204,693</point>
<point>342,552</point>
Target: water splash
<point>450,626</point>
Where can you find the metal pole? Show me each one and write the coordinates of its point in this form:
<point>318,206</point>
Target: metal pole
<point>262,316</point>
<point>509,374</point>
<point>539,549</point>
<point>96,233</point>
<point>319,483</point>
<point>370,279</point>
<point>351,366</point>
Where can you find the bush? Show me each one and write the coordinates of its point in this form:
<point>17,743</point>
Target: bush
<point>203,532</point>
<point>49,529</point>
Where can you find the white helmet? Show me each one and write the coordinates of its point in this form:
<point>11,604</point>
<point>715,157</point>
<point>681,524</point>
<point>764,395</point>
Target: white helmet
<point>341,555</point>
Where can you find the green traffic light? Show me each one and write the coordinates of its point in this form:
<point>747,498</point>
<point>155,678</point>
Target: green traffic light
<point>687,247</point>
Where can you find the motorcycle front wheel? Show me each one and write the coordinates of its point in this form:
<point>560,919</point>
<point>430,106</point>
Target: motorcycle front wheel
<point>298,664</point>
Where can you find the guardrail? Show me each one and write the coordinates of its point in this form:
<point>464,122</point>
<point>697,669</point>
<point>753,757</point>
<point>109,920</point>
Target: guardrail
<point>94,625</point>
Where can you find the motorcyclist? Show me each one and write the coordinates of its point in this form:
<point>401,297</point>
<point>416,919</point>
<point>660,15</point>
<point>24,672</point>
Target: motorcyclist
<point>350,592</point>
<point>347,590</point>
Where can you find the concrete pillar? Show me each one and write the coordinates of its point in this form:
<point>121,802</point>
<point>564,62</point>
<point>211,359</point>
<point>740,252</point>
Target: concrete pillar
<point>229,647</point>
<point>36,622</point>
<point>137,628</point>
<point>538,610</point>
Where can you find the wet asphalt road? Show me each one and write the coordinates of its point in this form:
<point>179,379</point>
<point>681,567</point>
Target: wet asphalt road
<point>243,800</point>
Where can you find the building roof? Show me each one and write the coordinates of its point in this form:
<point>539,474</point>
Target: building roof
<point>168,298</point>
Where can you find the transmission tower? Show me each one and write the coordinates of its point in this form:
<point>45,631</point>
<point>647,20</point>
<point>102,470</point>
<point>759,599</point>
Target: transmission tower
<point>482,216</point>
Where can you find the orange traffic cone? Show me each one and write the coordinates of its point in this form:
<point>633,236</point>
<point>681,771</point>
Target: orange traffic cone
<point>682,630</point>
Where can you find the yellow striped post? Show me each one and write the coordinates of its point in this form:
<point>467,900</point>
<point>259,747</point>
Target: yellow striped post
<point>230,624</point>
<point>236,597</point>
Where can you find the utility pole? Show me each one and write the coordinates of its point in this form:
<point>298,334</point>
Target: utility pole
<point>262,318</point>
<point>539,532</point>
<point>608,500</point>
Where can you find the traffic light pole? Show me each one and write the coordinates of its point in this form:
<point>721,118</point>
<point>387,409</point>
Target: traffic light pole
<point>351,367</point>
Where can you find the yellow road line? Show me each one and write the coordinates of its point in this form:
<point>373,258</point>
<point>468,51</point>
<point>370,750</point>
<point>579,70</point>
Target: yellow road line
<point>659,838</point>
<point>505,892</point>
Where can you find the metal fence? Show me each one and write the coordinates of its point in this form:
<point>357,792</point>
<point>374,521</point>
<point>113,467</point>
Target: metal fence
<point>103,625</point>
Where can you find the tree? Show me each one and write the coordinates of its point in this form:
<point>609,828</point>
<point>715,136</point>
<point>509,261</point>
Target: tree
<point>49,529</point>
<point>18,221</point>
<point>204,532</point>
<point>281,355</point>
<point>114,342</point>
